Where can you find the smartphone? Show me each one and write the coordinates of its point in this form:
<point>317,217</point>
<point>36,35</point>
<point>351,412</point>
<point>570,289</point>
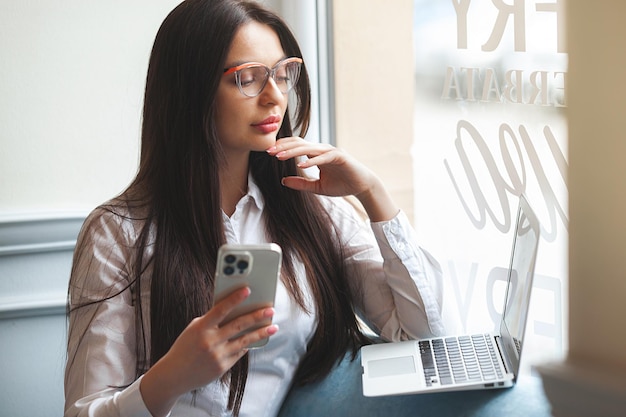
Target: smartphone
<point>253,266</point>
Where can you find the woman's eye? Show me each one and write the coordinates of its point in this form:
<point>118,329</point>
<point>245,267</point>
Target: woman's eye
<point>281,76</point>
<point>246,78</point>
<point>246,82</point>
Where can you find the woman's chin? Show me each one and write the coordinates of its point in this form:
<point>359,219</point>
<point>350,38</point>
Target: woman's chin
<point>266,143</point>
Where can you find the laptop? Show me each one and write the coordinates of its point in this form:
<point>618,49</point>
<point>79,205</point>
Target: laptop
<point>463,362</point>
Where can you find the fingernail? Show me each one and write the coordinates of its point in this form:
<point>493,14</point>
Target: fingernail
<point>269,312</point>
<point>272,149</point>
<point>272,330</point>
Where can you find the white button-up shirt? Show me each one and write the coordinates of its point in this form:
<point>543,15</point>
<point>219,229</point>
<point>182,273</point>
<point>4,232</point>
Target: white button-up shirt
<point>397,288</point>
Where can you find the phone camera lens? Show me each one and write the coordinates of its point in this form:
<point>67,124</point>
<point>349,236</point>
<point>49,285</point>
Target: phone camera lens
<point>229,270</point>
<point>242,265</point>
<point>230,259</point>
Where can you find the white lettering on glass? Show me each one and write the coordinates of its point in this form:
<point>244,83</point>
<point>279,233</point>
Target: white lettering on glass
<point>514,180</point>
<point>508,13</point>
<point>543,88</point>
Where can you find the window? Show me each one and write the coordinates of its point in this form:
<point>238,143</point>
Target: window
<point>479,121</point>
<point>490,124</point>
<point>311,23</point>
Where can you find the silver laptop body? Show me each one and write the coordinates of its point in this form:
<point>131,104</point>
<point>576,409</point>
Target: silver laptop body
<point>463,362</point>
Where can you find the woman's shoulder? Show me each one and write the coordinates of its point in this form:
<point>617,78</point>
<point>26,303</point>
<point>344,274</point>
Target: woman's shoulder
<point>118,219</point>
<point>106,252</point>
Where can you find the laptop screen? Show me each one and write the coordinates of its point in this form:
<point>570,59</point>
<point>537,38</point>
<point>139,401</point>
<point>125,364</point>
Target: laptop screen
<point>517,298</point>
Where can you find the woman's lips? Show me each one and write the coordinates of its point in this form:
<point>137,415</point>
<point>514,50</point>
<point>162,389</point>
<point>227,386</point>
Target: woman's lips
<point>268,125</point>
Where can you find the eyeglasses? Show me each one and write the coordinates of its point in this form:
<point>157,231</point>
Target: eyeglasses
<point>252,77</point>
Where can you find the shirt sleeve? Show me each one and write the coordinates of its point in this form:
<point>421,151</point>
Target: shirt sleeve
<point>100,375</point>
<point>397,285</point>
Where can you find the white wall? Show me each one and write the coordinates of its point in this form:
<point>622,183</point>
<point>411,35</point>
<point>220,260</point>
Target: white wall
<point>71,85</point>
<point>72,75</point>
<point>71,88</point>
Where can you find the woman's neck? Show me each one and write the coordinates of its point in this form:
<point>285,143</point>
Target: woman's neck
<point>233,185</point>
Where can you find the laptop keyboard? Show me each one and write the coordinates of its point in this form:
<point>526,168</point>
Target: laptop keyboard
<point>459,360</point>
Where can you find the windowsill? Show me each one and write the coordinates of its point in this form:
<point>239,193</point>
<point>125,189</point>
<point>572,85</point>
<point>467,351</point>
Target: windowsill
<point>582,390</point>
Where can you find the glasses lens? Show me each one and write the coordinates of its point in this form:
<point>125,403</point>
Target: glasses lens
<point>252,80</point>
<point>286,75</point>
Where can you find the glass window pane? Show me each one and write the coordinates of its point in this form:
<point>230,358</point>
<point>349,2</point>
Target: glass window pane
<point>490,124</point>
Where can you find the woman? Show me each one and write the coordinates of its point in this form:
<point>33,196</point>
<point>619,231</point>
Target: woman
<point>220,163</point>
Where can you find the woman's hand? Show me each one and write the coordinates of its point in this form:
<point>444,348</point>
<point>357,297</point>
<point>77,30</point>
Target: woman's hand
<point>203,352</point>
<point>339,175</point>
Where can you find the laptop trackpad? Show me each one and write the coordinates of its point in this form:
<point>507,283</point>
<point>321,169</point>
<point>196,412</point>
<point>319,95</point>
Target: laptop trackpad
<point>389,367</point>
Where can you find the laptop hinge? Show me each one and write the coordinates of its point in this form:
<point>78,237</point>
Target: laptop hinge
<point>505,359</point>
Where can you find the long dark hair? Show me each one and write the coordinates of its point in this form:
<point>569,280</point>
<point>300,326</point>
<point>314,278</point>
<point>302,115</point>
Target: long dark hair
<point>177,189</point>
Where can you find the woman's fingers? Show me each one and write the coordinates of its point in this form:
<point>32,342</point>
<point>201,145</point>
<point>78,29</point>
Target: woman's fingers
<point>208,347</point>
<point>302,184</point>
<point>241,344</point>
<point>293,147</point>
<point>216,315</point>
<point>339,174</point>
<point>245,323</point>
<point>227,332</point>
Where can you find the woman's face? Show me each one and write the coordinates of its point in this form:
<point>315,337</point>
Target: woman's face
<point>243,123</point>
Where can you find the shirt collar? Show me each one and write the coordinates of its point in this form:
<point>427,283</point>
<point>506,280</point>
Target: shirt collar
<point>253,196</point>
<point>255,193</point>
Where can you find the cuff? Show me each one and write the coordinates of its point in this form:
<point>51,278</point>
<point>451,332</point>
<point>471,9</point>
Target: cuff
<point>391,236</point>
<point>130,402</point>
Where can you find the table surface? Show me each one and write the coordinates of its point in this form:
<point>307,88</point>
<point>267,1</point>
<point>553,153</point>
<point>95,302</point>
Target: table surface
<point>340,394</point>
